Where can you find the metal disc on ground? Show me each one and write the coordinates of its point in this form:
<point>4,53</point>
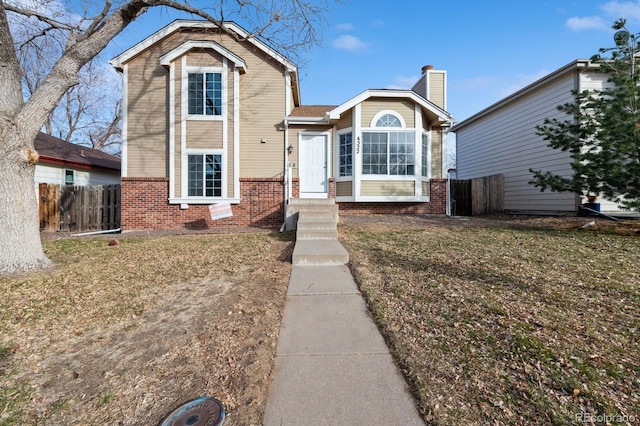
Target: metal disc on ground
<point>198,412</point>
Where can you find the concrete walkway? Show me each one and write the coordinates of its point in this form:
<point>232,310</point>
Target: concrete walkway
<point>332,365</point>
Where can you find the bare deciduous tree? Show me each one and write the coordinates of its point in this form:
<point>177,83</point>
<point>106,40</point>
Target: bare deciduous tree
<point>85,111</point>
<point>287,25</point>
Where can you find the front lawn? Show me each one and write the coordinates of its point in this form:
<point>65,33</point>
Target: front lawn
<point>500,323</point>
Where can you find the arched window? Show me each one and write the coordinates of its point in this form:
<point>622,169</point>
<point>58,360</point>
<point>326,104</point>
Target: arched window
<point>387,119</point>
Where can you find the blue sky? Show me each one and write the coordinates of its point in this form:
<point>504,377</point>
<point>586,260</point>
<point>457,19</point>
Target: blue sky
<point>488,48</point>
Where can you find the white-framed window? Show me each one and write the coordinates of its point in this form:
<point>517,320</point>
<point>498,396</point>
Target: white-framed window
<point>204,175</point>
<point>425,155</point>
<point>387,118</point>
<point>204,93</point>
<point>374,153</point>
<point>345,160</point>
<point>386,149</point>
<point>402,157</point>
<point>69,177</point>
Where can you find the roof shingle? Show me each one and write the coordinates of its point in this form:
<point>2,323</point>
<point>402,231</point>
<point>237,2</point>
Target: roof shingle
<point>52,148</point>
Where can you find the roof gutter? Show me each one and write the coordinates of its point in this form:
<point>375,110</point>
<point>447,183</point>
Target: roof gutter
<point>83,166</point>
<point>307,120</point>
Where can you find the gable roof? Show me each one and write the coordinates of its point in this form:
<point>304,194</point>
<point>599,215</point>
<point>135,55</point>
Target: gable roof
<point>578,64</point>
<point>56,151</point>
<point>179,24</point>
<point>325,114</point>
<point>229,26</point>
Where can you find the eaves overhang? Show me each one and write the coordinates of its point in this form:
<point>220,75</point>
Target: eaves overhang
<point>307,120</point>
<point>441,116</point>
<point>578,64</point>
<point>231,27</point>
<point>169,57</point>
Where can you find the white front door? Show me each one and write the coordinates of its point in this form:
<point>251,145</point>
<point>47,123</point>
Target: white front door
<point>313,166</point>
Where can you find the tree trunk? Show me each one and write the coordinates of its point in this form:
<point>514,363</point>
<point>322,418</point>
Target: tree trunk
<point>20,237</point>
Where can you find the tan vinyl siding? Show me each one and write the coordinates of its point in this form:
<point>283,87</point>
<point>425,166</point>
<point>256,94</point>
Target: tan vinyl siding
<point>346,120</point>
<point>204,58</point>
<point>436,153</point>
<point>147,116</point>
<point>425,121</point>
<point>436,88</point>
<point>373,106</point>
<point>262,109</point>
<point>344,189</point>
<point>204,134</point>
<point>387,188</point>
<point>426,188</point>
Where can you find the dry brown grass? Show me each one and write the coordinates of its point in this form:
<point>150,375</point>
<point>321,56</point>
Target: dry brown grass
<point>123,334</point>
<point>525,321</point>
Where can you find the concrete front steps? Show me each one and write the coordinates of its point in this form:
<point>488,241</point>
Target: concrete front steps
<point>316,232</point>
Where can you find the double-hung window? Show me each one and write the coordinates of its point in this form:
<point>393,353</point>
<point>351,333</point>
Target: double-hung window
<point>204,175</point>
<point>205,93</point>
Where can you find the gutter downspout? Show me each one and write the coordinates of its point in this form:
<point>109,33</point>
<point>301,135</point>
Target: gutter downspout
<point>106,231</point>
<point>287,174</point>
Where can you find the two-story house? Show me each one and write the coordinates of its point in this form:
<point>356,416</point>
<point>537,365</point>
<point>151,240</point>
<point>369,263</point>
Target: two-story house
<point>213,116</point>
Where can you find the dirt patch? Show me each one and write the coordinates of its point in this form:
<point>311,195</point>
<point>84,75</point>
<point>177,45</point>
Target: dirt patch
<point>174,320</point>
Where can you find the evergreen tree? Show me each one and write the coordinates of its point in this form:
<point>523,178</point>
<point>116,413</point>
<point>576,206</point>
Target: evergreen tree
<point>602,130</point>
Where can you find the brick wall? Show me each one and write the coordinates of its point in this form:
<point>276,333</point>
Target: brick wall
<point>436,205</point>
<point>145,205</point>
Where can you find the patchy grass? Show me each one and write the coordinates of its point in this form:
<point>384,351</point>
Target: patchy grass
<point>133,330</point>
<point>501,323</point>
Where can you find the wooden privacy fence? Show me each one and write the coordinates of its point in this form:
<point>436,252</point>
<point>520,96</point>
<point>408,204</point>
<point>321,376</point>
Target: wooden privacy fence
<point>471,197</point>
<point>79,208</point>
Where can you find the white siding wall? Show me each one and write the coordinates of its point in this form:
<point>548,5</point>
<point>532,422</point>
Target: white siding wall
<point>46,173</point>
<point>505,142</point>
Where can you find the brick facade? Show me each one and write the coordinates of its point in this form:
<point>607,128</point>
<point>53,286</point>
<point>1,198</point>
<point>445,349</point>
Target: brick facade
<point>145,205</point>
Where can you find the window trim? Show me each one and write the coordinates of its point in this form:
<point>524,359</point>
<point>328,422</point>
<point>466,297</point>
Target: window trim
<point>426,155</point>
<point>185,92</point>
<point>388,131</point>
<point>380,114</point>
<point>185,175</point>
<point>341,133</point>
<point>73,177</point>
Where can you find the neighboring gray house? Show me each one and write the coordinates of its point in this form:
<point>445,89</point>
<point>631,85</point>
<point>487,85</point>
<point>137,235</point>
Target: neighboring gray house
<point>501,139</point>
<point>65,163</point>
